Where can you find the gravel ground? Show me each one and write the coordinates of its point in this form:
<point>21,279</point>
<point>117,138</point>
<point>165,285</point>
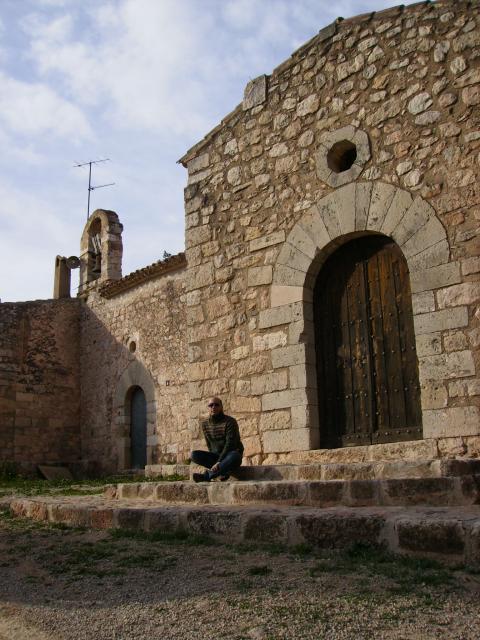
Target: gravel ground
<point>74,585</point>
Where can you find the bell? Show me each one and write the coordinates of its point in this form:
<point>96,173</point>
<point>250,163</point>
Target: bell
<point>97,267</point>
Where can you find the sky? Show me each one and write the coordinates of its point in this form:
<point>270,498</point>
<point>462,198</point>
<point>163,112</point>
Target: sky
<point>135,81</point>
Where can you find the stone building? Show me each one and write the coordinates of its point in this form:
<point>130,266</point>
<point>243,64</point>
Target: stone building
<point>329,290</point>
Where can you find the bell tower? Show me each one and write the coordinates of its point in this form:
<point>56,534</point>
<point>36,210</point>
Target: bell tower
<point>100,250</point>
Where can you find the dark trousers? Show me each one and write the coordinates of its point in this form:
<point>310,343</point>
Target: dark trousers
<point>230,463</point>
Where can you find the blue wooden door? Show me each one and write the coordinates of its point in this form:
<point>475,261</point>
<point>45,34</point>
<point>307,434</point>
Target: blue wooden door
<point>138,429</point>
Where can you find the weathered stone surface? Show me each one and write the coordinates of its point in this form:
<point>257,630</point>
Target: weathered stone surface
<point>275,381</point>
<point>436,277</point>
<point>267,241</point>
<point>458,294</point>
<point>255,92</point>
<point>445,538</point>
<point>259,275</point>
<point>457,364</point>
<point>451,422</point>
<point>286,440</point>
<point>284,399</point>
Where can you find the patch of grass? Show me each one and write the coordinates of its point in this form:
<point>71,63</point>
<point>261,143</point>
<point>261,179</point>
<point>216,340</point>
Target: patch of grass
<point>11,483</point>
<point>259,570</point>
<point>171,537</point>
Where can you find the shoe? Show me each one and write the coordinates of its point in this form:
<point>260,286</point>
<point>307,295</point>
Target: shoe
<point>200,477</point>
<point>224,478</point>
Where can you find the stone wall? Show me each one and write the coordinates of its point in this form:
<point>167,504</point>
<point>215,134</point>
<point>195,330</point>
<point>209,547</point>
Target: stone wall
<point>265,206</point>
<point>39,383</point>
<point>134,337</point>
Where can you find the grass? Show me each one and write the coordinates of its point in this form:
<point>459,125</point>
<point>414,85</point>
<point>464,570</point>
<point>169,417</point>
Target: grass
<point>21,486</point>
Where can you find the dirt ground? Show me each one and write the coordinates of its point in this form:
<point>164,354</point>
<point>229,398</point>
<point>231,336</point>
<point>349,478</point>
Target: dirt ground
<point>64,584</point>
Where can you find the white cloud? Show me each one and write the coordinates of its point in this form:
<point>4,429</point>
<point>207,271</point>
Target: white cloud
<point>35,109</point>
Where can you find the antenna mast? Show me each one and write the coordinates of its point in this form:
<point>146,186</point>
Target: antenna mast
<point>90,187</point>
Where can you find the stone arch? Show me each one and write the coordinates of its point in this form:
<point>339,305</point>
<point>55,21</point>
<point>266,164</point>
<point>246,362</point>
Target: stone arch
<point>354,210</point>
<point>101,249</point>
<point>135,375</point>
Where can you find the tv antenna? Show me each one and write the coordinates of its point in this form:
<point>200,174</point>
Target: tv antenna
<point>90,187</point>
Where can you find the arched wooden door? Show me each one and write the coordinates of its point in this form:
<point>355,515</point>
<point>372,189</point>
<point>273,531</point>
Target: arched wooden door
<point>138,428</point>
<point>368,386</point>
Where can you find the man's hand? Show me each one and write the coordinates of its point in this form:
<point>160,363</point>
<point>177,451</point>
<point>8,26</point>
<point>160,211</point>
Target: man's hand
<point>216,467</point>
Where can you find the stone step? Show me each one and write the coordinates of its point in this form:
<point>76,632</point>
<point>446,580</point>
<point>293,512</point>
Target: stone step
<point>165,470</point>
<point>450,534</point>
<point>446,491</point>
<point>425,468</point>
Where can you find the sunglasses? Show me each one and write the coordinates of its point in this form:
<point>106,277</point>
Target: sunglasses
<point>213,404</point>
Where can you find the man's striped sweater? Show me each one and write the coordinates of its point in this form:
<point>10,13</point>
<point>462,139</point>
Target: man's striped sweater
<point>222,435</point>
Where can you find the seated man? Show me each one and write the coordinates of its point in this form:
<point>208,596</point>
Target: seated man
<point>225,449</point>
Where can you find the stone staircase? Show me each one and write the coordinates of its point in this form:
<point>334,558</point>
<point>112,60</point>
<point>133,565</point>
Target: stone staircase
<point>424,507</point>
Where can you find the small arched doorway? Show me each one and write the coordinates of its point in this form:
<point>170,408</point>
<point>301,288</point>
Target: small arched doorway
<point>138,428</point>
<point>367,370</point>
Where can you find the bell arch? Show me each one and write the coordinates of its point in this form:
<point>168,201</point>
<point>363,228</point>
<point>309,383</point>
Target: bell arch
<point>100,249</point>
<point>134,378</point>
<point>353,211</point>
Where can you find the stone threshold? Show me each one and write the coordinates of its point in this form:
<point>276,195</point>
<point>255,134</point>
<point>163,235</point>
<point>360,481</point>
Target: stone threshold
<point>444,491</point>
<point>384,469</point>
<point>448,534</point>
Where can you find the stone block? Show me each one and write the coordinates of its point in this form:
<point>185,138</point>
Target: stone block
<point>284,399</point>
<point>265,527</point>
<point>302,241</point>
<point>418,214</point>
<point>328,209</point>
<point>281,295</point>
<point>381,199</point>
<point>286,276</point>
<point>346,212</point>
<point>252,445</point>
<point>451,422</point>
<point>294,258</point>
<point>275,420</point>
<point>286,440</point>
<point>130,519</point>
<point>470,265</point>
<point>438,253</point>
<point>182,492</point>
<point>441,320</point>
<point>435,278</point>
<point>282,492</point>
<point>363,194</point>
<point>162,520</point>
<point>459,294</point>
<point>269,382</point>
<point>214,522</point>
<point>426,236</point>
<point>199,277</point>
<point>325,493</point>
<point>302,376</point>
<point>279,315</point>
<point>457,364</point>
<point>200,162</point>
<point>291,355</point>
<point>324,532</point>
<point>203,370</point>
<point>258,276</point>
<point>362,493</point>
<point>433,395</point>
<point>423,302</point>
<point>255,92</point>
<point>267,241</point>
<point>269,341</point>
<point>418,491</point>
<point>443,537</point>
<point>245,405</point>
<point>312,223</point>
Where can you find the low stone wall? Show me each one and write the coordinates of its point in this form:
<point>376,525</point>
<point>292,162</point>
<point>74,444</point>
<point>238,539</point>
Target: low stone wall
<point>39,383</point>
